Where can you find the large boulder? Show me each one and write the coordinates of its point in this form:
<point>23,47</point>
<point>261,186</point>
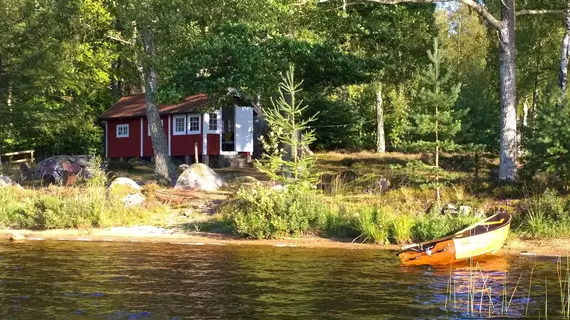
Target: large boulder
<point>127,190</point>
<point>200,177</point>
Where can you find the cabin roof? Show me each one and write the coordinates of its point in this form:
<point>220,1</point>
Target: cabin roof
<point>135,106</point>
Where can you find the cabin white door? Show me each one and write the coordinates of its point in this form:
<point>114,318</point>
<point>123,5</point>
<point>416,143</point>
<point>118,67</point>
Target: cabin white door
<point>244,129</point>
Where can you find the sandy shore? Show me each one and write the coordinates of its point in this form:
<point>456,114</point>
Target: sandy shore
<point>533,247</point>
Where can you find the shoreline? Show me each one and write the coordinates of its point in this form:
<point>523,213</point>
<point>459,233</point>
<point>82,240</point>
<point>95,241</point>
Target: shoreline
<point>514,245</point>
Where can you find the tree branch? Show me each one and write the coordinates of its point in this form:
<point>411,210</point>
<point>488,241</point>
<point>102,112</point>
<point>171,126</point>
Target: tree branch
<point>471,3</point>
<point>483,12</point>
<point>119,40</point>
<point>546,11</point>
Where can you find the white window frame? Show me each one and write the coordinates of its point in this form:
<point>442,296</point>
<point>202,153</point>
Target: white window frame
<point>123,126</point>
<point>218,125</point>
<point>199,124</point>
<point>178,133</point>
<point>148,126</point>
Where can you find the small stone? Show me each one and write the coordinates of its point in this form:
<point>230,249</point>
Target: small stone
<point>132,200</point>
<point>449,209</point>
<point>278,188</point>
<point>382,184</point>
<point>17,237</point>
<point>464,210</point>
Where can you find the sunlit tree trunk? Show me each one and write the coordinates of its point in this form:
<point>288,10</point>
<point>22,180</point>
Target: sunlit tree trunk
<point>380,133</point>
<point>164,169</point>
<point>563,75</point>
<point>508,149</point>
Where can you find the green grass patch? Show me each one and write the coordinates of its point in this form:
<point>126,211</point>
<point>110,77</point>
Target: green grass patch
<point>543,215</point>
<point>77,207</point>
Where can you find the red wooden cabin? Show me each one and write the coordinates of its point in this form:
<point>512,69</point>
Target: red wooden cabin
<point>226,131</point>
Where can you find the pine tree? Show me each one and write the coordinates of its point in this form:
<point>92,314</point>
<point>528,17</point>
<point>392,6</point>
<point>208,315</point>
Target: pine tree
<point>548,139</point>
<point>437,123</point>
<point>285,120</point>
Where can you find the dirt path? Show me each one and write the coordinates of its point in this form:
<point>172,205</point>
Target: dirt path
<point>548,247</point>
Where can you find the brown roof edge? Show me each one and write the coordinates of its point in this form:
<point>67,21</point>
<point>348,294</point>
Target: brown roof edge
<point>135,106</point>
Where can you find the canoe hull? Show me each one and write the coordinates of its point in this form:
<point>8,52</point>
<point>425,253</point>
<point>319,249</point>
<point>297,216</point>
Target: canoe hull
<point>480,244</point>
<point>484,237</point>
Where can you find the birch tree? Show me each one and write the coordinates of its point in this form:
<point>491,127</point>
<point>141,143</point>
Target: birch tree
<point>505,28</point>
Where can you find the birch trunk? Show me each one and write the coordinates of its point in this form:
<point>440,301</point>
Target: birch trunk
<point>508,152</point>
<point>380,134</point>
<point>163,169</point>
<point>563,75</point>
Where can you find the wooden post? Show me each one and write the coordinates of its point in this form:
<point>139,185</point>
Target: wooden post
<point>32,158</point>
<point>196,152</point>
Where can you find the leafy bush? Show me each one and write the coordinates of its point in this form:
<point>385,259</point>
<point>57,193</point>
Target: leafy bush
<point>52,208</point>
<point>548,138</point>
<point>431,226</point>
<point>373,224</point>
<point>262,212</point>
<point>400,230</point>
<point>544,215</point>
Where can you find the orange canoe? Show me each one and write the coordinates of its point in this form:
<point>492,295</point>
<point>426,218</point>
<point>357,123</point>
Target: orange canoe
<point>485,237</point>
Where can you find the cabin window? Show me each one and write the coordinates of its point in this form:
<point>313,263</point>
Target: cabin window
<point>179,125</point>
<point>122,131</point>
<point>193,124</point>
<point>213,122</point>
<point>148,126</point>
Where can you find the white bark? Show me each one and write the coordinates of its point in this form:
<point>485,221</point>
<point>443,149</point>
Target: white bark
<point>508,144</point>
<point>380,134</point>
<point>565,52</point>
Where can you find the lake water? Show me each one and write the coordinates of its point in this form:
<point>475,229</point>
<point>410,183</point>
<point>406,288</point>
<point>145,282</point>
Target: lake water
<point>79,280</point>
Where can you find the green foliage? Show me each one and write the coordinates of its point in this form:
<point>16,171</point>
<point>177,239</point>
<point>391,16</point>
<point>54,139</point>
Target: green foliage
<point>288,130</point>
<point>262,212</point>
<point>436,120</point>
<point>471,51</point>
<point>95,175</point>
<point>548,139</point>
<point>544,215</point>
<point>400,230</point>
<point>373,225</point>
<point>54,75</point>
<point>67,208</point>
<point>398,120</point>
<point>431,226</point>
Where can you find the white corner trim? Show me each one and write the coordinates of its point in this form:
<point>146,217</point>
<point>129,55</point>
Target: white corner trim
<point>142,129</point>
<point>178,133</point>
<point>205,126</point>
<point>169,135</point>
<point>198,131</point>
<point>106,139</point>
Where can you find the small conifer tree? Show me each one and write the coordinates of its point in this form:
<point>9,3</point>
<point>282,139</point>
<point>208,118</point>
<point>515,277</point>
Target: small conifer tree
<point>437,123</point>
<point>547,141</point>
<point>285,121</point>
